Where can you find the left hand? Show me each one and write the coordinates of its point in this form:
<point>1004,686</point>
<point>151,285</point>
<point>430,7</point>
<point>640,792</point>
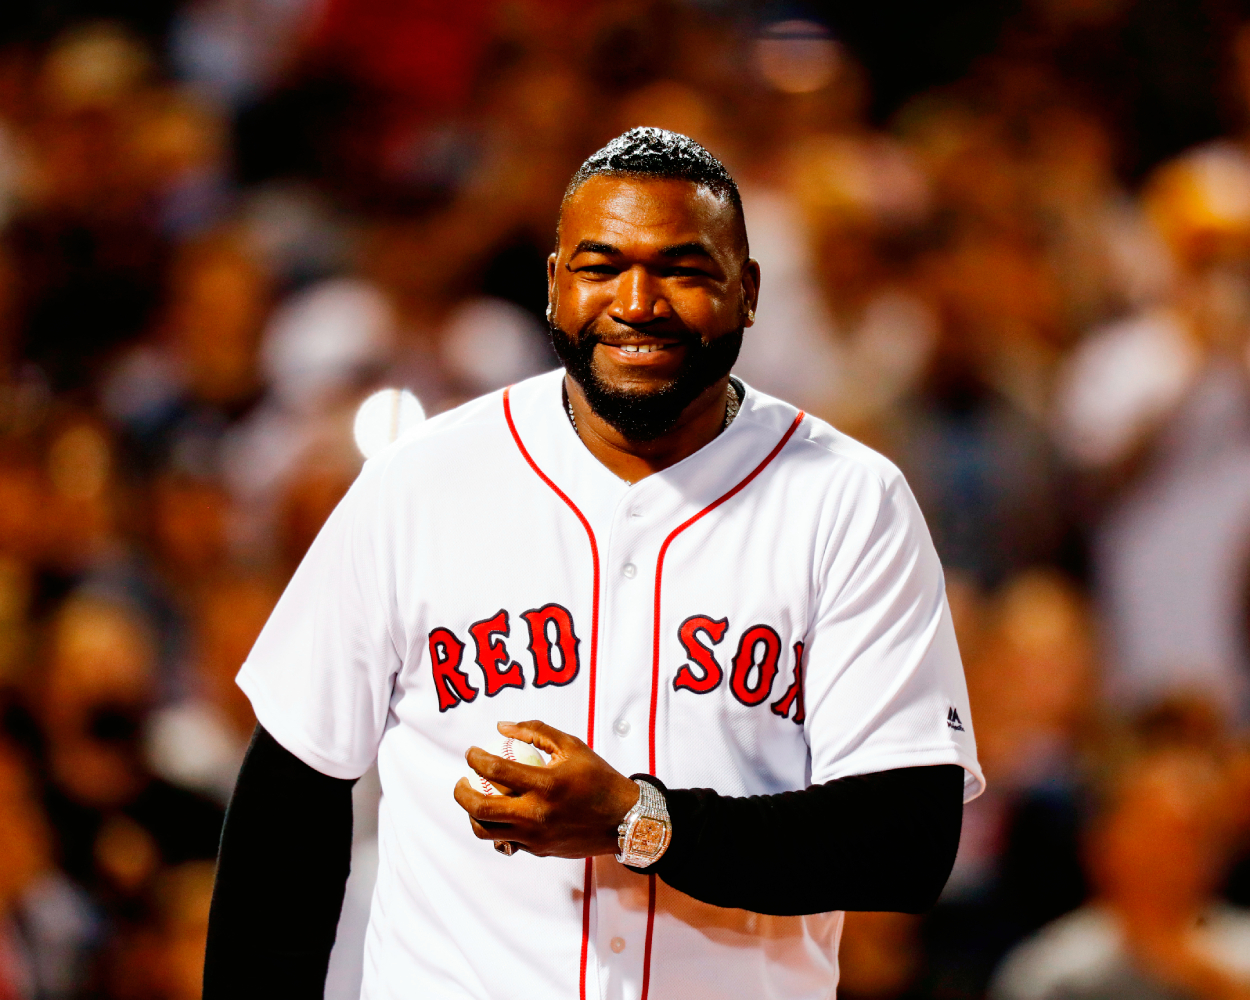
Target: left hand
<point>568,809</point>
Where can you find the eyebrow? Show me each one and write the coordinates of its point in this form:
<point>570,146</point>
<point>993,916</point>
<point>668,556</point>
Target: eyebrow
<point>692,249</point>
<point>590,246</point>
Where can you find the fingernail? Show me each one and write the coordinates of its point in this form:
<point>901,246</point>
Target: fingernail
<point>507,723</point>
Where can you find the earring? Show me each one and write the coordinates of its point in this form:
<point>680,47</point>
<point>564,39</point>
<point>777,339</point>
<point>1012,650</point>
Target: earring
<point>549,311</point>
<point>751,316</point>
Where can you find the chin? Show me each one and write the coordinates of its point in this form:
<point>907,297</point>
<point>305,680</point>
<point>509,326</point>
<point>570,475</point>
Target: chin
<point>637,387</point>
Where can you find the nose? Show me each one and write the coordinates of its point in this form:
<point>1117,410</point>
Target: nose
<point>639,299</point>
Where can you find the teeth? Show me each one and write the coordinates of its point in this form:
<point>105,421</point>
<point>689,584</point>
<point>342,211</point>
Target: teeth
<point>640,348</point>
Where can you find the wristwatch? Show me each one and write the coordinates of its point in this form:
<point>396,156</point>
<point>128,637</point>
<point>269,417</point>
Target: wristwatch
<point>645,831</point>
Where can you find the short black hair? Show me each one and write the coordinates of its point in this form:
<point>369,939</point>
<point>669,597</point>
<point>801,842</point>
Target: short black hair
<point>656,152</point>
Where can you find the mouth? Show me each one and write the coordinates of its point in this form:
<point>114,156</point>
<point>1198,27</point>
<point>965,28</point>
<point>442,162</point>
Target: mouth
<point>643,351</point>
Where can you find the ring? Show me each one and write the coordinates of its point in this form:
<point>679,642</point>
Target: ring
<point>505,847</point>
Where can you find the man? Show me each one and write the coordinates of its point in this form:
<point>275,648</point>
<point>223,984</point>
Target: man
<point>684,580</point>
<point>1157,848</point>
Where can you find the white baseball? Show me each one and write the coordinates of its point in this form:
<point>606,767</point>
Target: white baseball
<point>509,749</point>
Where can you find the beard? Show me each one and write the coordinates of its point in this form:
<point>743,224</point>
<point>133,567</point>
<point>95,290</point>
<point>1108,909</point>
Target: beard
<point>650,413</point>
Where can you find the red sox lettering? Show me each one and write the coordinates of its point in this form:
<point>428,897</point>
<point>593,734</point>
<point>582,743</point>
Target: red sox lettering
<point>542,622</point>
<point>700,655</point>
<point>753,670</point>
<point>492,654</point>
<point>554,654</point>
<point>553,647</point>
<point>451,683</point>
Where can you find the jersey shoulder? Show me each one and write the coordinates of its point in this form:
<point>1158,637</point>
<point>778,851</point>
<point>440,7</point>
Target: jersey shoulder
<point>464,430</point>
<point>819,448</point>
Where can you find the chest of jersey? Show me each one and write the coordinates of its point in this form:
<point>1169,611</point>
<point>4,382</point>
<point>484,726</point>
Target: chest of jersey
<point>766,613</point>
<point>667,636</point>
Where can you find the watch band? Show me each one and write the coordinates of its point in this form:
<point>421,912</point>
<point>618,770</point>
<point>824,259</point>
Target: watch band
<point>644,834</point>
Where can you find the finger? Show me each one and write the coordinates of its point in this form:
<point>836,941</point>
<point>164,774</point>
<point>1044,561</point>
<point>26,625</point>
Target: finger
<point>495,809</point>
<point>466,796</point>
<point>484,807</point>
<point>547,738</point>
<point>494,831</point>
<point>516,777</point>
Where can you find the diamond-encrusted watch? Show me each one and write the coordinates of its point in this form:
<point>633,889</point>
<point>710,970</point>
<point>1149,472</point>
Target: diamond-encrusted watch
<point>645,831</point>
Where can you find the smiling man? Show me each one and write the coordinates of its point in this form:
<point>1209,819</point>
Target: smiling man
<point>725,619</point>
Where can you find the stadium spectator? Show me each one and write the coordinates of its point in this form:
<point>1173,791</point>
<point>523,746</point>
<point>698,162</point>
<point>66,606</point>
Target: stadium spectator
<point>199,742</point>
<point>48,928</point>
<point>1155,927</point>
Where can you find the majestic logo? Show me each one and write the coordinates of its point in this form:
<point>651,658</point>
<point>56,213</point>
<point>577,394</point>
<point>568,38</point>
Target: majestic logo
<point>952,720</point>
<point>753,670</point>
<point>553,647</point>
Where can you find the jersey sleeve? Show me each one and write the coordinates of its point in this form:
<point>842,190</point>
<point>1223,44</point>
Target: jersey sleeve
<point>321,672</point>
<point>884,682</point>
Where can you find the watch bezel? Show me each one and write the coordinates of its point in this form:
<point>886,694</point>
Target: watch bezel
<point>644,834</point>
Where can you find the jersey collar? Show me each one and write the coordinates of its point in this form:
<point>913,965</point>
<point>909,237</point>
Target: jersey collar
<point>541,421</point>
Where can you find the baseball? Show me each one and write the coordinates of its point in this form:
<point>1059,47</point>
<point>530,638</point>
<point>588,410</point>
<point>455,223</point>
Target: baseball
<point>509,749</point>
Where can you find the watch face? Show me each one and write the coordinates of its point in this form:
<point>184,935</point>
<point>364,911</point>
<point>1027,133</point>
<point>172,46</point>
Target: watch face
<point>648,836</point>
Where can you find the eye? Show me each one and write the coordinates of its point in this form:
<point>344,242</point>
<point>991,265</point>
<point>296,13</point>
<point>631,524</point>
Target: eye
<point>685,272</point>
<point>606,269</point>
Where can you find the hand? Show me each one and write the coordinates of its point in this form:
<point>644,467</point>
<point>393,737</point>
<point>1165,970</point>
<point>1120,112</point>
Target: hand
<point>568,809</point>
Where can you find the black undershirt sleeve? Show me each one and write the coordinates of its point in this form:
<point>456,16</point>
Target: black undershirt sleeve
<point>883,841</point>
<point>281,870</point>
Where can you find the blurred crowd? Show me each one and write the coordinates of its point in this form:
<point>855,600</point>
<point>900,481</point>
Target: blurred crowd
<point>225,223</point>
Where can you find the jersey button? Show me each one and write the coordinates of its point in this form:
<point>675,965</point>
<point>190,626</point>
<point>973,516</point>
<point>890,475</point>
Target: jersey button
<point>617,945</point>
<point>629,569</point>
<point>622,727</point>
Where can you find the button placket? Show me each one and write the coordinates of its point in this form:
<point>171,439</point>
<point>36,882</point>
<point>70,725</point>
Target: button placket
<point>624,633</point>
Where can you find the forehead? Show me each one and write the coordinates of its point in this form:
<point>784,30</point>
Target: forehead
<point>646,212</point>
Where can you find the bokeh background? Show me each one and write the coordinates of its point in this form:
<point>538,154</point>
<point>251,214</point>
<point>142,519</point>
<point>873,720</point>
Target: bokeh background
<point>1006,243</point>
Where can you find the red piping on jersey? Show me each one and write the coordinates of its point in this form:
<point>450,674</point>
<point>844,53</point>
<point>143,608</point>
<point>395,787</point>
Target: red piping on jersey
<point>655,660</point>
<point>594,654</point>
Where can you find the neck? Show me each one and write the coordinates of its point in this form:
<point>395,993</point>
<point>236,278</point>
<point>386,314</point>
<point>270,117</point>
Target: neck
<point>631,460</point>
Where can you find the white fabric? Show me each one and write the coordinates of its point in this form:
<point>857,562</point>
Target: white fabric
<point>321,338</point>
<point>1171,556</point>
<point>192,744</point>
<point>489,342</point>
<point>792,349</point>
<point>450,525</point>
<point>1085,949</point>
<point>1120,383</point>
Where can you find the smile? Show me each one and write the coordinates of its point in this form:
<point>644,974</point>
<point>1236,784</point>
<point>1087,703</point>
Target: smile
<point>645,353</point>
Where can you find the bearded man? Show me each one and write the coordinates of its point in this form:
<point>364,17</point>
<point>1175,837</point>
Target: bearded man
<point>724,618</point>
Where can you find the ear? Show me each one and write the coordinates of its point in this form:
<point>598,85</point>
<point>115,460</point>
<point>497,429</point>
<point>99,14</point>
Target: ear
<point>551,286</point>
<point>750,290</point>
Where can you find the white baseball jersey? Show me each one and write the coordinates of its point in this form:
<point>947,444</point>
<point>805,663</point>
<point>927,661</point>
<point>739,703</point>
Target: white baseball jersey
<point>765,614</point>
